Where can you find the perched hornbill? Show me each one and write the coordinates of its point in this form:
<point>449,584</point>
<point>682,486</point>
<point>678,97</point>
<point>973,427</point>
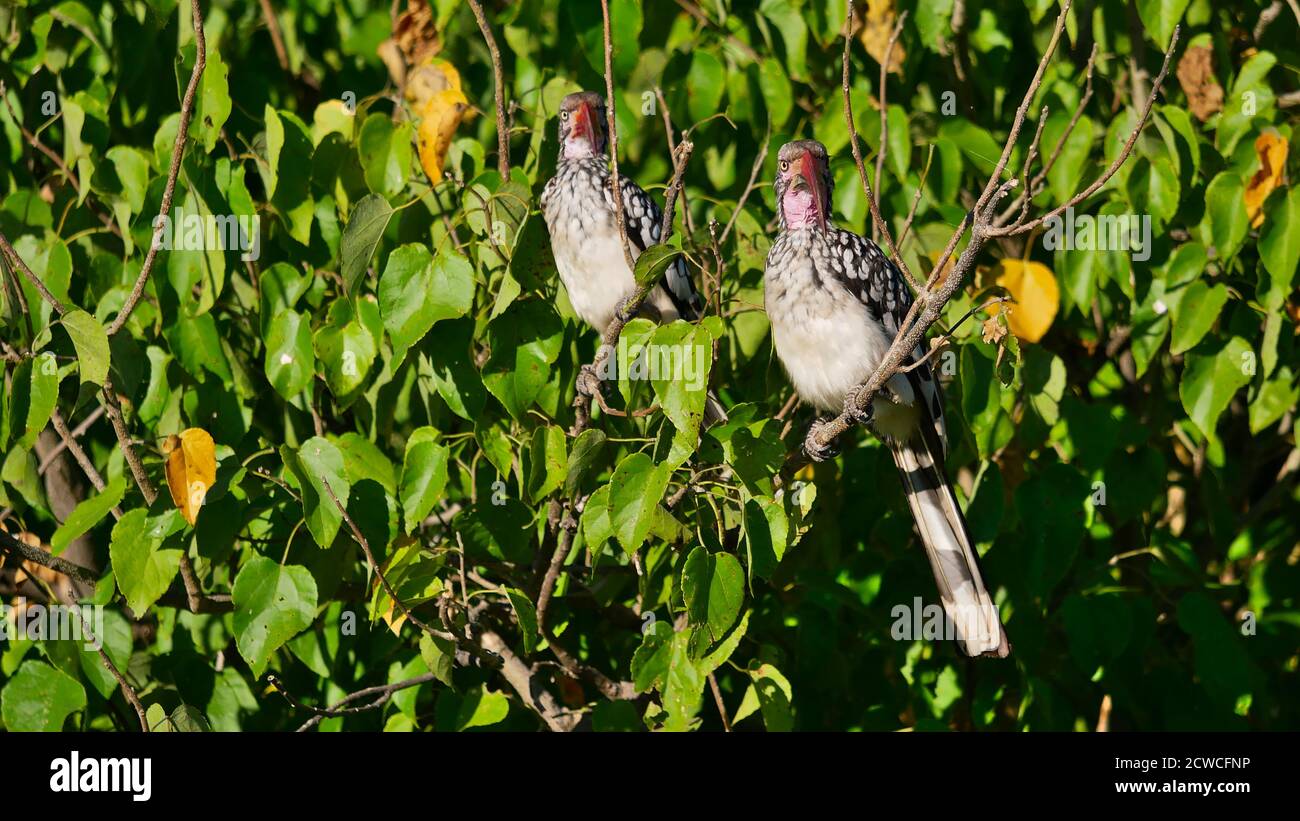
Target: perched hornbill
<point>835,303</point>
<point>578,205</point>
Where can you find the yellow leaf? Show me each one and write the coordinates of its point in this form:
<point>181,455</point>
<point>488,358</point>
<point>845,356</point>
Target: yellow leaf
<point>191,469</point>
<point>1272,150</point>
<point>441,105</point>
<point>1033,288</point>
<point>877,28</point>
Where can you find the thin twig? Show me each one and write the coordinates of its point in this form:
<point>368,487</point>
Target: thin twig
<point>361,540</point>
<point>916,198</point>
<point>615,180</point>
<point>749,186</point>
<point>76,433</point>
<point>1026,227</point>
<point>128,692</point>
<point>872,200</point>
<point>178,151</point>
<point>884,107</point>
<point>277,39</point>
<point>498,91</point>
<point>722,706</point>
<point>36,555</point>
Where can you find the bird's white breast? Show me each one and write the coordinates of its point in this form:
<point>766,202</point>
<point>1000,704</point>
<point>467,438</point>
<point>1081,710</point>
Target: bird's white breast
<point>588,253</point>
<point>829,343</point>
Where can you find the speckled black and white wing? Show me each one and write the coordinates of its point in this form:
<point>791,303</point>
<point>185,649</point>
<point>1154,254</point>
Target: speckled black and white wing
<point>643,218</point>
<point>876,281</point>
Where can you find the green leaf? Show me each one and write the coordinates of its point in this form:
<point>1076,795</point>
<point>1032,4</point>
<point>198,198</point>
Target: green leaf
<point>439,656</point>
<point>290,362</point>
<point>713,588</point>
<point>366,461</point>
<point>424,475</point>
<point>288,176</point>
<point>652,263</point>
<point>346,346</point>
<point>91,342</point>
<point>39,698</point>
<point>770,694</point>
<point>1225,211</point>
<point>1197,309</point>
<point>587,449</point>
<point>789,20</point>
<point>272,605</point>
<point>777,94</point>
<point>416,290</point>
<point>1276,396</point>
<point>1159,18</point>
<point>316,462</point>
<point>385,151</point>
<point>1212,373</point>
<point>705,84</point>
<point>87,514</point>
<point>144,569</point>
<point>364,230</point>
<point>36,388</point>
<point>212,105</point>
<point>1279,248</point>
<point>525,341</point>
<point>527,616</point>
<point>548,461</point>
<point>634,493</point>
<point>683,355</point>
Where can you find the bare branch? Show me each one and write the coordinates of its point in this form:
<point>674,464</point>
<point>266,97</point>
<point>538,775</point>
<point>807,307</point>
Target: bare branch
<point>611,108</point>
<point>38,556</point>
<point>498,91</point>
<point>434,632</point>
<point>17,262</point>
<point>1025,227</point>
<point>884,107</point>
<point>877,220</point>
<point>754,171</point>
<point>178,151</point>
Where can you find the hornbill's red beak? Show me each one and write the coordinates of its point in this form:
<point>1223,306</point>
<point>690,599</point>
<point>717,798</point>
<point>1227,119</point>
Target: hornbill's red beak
<point>808,178</point>
<point>582,124</point>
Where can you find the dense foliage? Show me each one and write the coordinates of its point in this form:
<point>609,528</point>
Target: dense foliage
<point>1127,457</point>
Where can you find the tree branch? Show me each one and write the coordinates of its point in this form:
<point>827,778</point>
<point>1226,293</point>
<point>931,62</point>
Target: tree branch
<point>178,151</point>
<point>38,556</point>
<point>498,82</point>
<point>872,201</point>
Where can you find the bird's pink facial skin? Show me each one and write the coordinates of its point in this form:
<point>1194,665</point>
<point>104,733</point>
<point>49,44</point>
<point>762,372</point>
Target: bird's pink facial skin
<point>581,141</point>
<point>800,210</point>
<point>803,199</point>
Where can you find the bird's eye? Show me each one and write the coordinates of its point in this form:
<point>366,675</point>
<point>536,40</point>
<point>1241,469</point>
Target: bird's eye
<point>785,165</point>
<point>564,115</point>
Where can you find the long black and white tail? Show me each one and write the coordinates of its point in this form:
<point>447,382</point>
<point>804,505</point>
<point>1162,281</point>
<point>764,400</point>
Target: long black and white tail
<point>966,600</point>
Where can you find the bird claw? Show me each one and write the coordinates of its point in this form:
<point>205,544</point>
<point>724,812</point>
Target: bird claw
<point>588,380</point>
<point>816,451</point>
<point>855,414</point>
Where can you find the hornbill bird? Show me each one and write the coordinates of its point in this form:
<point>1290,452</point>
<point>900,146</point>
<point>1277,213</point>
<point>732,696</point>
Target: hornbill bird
<point>835,304</point>
<point>578,205</point>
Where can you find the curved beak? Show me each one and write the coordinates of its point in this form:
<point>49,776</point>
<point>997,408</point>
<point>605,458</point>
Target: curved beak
<point>807,178</point>
<point>582,124</point>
